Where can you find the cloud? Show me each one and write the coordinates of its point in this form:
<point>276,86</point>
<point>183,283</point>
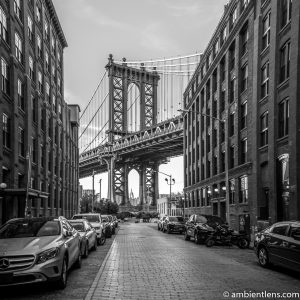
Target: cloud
<point>151,36</point>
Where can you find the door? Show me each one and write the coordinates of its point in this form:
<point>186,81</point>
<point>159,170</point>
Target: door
<point>72,242</point>
<point>278,242</point>
<point>223,210</point>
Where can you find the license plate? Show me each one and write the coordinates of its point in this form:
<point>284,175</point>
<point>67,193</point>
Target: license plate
<point>6,278</point>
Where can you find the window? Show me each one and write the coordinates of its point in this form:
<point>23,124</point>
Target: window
<point>34,153</point>
<point>5,76</point>
<point>31,68</point>
<point>3,25</point>
<point>266,31</point>
<point>280,229</point>
<point>264,129</point>
<point>222,131</point>
<point>21,102</point>
<point>231,157</point>
<point>53,71</point>
<point>232,18</point>
<point>223,36</point>
<point>47,61</point>
<point>39,46</point>
<point>222,162</point>
<point>231,191</point>
<point>232,89</point>
<point>53,45</point>
<point>6,131</point>
<point>244,115</point>
<point>17,9</point>
<point>40,82</point>
<point>21,140</point>
<point>283,118</point>
<point>47,92</point>
<point>244,82</point>
<point>42,156</point>
<point>215,164</point>
<point>286,12</point>
<point>30,29</point>
<point>243,180</point>
<point>223,70</point>
<point>46,30</point>
<point>33,108</point>
<point>231,124</point>
<point>59,85</point>
<point>215,49</point>
<point>265,80</point>
<point>208,166</point>
<point>232,57</point>
<point>54,102</point>
<point>244,40</point>
<point>244,3</point>
<point>18,45</point>
<point>243,151</point>
<point>285,62</point>
<point>38,12</point>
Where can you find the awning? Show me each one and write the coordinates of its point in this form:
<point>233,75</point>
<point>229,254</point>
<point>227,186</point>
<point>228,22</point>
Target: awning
<point>22,192</point>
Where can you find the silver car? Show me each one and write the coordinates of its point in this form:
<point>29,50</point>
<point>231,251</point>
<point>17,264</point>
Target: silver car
<point>88,235</point>
<point>37,250</point>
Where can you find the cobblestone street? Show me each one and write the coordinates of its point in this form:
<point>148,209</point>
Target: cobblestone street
<point>144,263</point>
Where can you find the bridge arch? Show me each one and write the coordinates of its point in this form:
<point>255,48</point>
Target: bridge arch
<point>133,107</point>
<point>134,194</point>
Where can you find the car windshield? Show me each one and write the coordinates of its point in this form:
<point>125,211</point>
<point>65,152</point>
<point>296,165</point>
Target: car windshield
<point>78,226</point>
<point>176,219</point>
<point>29,228</point>
<point>90,218</point>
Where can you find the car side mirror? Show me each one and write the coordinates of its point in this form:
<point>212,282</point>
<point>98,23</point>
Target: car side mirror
<point>68,233</point>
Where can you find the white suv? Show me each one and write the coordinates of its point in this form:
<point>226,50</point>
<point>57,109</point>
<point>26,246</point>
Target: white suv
<point>96,222</point>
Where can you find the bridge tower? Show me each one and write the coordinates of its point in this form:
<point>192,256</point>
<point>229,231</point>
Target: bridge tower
<point>121,77</point>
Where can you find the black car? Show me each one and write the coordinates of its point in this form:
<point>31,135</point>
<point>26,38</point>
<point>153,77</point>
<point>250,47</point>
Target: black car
<point>279,244</point>
<point>173,224</point>
<point>199,227</point>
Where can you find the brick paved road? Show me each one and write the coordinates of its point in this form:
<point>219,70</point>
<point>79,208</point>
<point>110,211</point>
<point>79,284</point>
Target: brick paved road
<point>144,263</point>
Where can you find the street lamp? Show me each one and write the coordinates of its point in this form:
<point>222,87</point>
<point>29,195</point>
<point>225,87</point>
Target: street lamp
<point>100,189</point>
<point>170,182</point>
<point>93,175</point>
<point>225,123</point>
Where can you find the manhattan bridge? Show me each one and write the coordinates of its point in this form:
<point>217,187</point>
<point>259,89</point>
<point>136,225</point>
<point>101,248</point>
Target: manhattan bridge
<point>132,122</point>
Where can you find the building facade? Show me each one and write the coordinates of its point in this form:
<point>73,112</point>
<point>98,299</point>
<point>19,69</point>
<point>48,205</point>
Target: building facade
<point>39,130</point>
<point>243,121</point>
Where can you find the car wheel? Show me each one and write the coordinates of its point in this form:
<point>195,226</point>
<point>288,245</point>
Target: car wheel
<point>94,248</point>
<point>168,230</point>
<point>86,250</point>
<point>186,237</point>
<point>78,261</point>
<point>210,243</point>
<point>196,239</point>
<point>63,278</point>
<point>158,227</point>
<point>243,243</point>
<point>102,240</point>
<point>263,257</point>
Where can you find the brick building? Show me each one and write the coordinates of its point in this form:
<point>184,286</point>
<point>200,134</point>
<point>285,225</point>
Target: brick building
<point>244,117</point>
<point>39,130</point>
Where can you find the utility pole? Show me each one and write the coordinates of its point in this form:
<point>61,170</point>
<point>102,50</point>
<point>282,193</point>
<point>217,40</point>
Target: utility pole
<point>93,190</point>
<point>100,189</point>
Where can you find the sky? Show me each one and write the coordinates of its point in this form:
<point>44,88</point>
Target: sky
<point>137,30</point>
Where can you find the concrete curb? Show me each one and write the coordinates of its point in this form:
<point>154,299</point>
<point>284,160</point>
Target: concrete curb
<point>96,280</point>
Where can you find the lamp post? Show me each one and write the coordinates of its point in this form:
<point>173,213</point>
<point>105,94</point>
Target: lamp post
<point>170,182</point>
<point>93,175</point>
<point>225,123</point>
<point>100,189</point>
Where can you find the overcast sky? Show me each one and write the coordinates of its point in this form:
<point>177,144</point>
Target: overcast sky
<point>137,30</point>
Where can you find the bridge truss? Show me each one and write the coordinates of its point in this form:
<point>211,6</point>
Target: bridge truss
<point>132,122</point>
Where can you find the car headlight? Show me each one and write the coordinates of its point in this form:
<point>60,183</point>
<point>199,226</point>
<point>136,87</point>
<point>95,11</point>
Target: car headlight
<point>46,255</point>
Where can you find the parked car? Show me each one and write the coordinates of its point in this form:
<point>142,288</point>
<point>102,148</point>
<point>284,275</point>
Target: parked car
<point>88,235</point>
<point>279,244</point>
<point>38,249</point>
<point>96,222</point>
<point>200,227</point>
<point>160,222</point>
<point>112,224</point>
<point>107,226</point>
<point>173,224</point>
